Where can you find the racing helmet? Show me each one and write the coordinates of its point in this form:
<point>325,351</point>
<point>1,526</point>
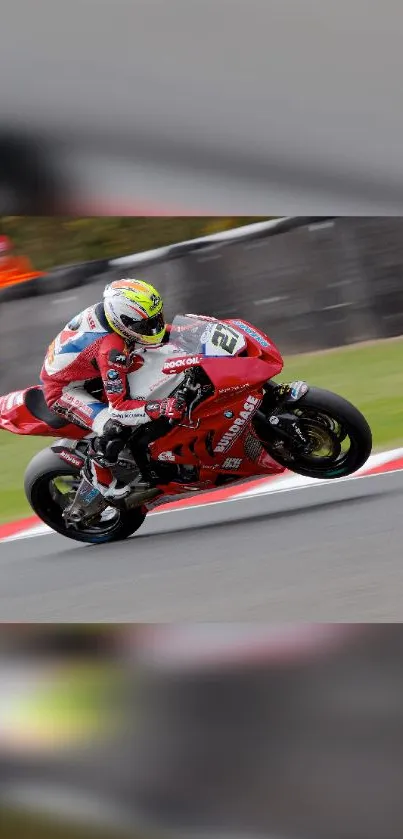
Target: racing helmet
<point>134,310</point>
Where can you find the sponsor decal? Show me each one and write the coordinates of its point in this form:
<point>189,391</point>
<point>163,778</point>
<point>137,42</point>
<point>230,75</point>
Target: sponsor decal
<point>75,323</point>
<point>188,361</point>
<point>298,431</point>
<point>69,457</point>
<point>234,388</point>
<point>207,333</point>
<point>202,317</point>
<point>77,405</point>
<point>112,375</point>
<point>153,387</point>
<point>91,321</point>
<point>78,418</point>
<point>167,456</point>
<point>238,425</point>
<point>155,301</point>
<point>51,352</point>
<point>89,493</point>
<point>118,358</point>
<point>298,389</point>
<point>293,391</point>
<point>232,463</point>
<point>114,387</point>
<point>14,400</point>
<point>252,332</point>
<point>137,413</point>
<point>190,330</point>
<point>228,414</point>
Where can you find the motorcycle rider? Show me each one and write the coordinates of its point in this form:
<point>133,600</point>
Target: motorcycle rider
<point>107,340</point>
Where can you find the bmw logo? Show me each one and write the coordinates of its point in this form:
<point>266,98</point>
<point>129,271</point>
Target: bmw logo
<point>228,414</point>
<point>112,375</point>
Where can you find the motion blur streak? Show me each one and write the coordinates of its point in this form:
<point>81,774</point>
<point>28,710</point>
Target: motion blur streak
<point>306,744</point>
<point>214,106</point>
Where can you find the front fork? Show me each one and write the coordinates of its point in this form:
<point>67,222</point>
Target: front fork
<point>273,412</point>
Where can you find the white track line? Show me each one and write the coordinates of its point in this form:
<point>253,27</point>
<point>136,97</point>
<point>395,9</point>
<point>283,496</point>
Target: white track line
<point>287,485</point>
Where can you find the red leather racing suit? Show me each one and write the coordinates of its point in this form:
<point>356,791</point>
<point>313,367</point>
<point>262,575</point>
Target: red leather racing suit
<point>85,350</point>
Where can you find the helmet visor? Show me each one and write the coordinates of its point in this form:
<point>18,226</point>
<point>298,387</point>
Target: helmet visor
<point>148,327</point>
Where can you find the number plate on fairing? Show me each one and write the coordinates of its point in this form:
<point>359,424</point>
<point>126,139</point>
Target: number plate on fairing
<point>219,339</point>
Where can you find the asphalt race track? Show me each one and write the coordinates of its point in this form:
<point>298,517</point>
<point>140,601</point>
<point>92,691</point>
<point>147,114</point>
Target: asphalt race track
<point>325,552</point>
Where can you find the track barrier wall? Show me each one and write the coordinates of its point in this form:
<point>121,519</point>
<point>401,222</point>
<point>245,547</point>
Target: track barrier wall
<point>310,283</point>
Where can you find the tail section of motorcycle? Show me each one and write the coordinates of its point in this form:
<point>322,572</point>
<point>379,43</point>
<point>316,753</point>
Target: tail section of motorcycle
<point>25,412</point>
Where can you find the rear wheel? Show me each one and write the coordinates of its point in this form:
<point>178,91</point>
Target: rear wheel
<point>50,485</point>
<point>340,439</point>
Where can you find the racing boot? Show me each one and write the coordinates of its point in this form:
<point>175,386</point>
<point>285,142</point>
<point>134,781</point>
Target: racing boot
<point>99,488</point>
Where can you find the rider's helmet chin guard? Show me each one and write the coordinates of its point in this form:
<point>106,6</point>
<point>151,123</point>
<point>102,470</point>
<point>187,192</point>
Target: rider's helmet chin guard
<point>134,309</point>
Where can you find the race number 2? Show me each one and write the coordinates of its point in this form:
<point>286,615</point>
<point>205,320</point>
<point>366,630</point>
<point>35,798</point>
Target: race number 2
<point>225,337</point>
<point>220,339</point>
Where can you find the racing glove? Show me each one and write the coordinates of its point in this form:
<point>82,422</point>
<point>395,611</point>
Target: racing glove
<point>172,408</point>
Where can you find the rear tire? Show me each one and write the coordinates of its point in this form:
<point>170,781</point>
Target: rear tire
<point>340,410</point>
<point>45,467</point>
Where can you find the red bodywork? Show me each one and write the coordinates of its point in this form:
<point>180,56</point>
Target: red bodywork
<point>238,388</point>
<point>223,418</point>
<point>16,417</point>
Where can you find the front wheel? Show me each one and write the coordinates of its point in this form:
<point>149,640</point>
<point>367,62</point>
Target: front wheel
<point>50,485</point>
<point>340,439</point>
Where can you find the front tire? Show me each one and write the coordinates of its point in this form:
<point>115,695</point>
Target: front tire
<point>46,501</point>
<point>324,414</point>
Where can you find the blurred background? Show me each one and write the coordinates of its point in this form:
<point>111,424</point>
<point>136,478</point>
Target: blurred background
<point>226,106</point>
<point>328,291</point>
<point>202,730</point>
<point>213,106</point>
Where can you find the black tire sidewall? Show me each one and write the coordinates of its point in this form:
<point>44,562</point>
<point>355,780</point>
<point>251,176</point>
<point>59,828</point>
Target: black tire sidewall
<point>48,465</point>
<point>340,409</point>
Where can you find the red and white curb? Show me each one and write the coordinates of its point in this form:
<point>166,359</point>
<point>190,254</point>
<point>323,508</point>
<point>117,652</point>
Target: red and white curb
<point>377,464</point>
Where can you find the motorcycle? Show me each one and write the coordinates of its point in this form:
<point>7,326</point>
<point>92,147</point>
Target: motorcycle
<point>239,424</point>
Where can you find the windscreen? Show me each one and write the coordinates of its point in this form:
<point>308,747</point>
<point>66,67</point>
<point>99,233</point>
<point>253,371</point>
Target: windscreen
<point>191,334</point>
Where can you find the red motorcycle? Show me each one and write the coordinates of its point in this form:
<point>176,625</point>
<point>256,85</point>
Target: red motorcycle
<point>239,424</point>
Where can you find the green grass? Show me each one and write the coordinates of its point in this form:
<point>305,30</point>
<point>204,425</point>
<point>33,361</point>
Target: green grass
<point>73,705</point>
<point>40,826</point>
<point>15,454</point>
<point>370,376</point>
